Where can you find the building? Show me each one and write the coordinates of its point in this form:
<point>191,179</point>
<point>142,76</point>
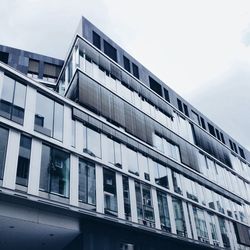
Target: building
<point>97,153</point>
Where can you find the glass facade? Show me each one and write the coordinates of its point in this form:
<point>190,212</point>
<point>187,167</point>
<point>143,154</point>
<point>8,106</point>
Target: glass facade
<point>54,176</point>
<point>23,164</point>
<point>4,133</point>
<point>12,102</point>
<point>87,182</point>
<point>49,117</point>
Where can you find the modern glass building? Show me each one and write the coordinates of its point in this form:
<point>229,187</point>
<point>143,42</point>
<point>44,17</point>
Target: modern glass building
<point>97,153</point>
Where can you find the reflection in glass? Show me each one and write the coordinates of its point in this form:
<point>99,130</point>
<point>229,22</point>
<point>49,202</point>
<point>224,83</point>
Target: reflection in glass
<point>12,101</point>
<point>160,174</point>
<point>132,161</point>
<point>4,134</point>
<point>54,177</point>
<point>110,196</point>
<point>126,197</point>
<point>87,182</point>
<point>179,217</point>
<point>23,161</point>
<point>145,209</point>
<point>163,211</point>
<point>177,182</point>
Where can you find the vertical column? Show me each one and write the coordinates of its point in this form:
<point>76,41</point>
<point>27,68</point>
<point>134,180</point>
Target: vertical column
<point>188,226</point>
<point>192,221</point>
<point>120,198</point>
<point>74,180</point>
<point>170,180</point>
<point>156,208</point>
<point>35,166</point>
<point>208,227</point>
<point>171,214</point>
<point>124,158</point>
<point>132,195</point>
<point>67,126</point>
<point>99,189</point>
<point>9,177</point>
<point>30,109</point>
<point>1,81</point>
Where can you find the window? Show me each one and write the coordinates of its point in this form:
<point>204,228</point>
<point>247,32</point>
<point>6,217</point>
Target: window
<point>54,177</point>
<point>126,63</point>
<point>203,123</point>
<point>179,103</point>
<point>23,161</point>
<point>112,151</point>
<point>96,40</point>
<point>224,233</point>
<point>87,182</point>
<point>166,95</point>
<point>211,129</point>
<point>217,134</point>
<point>185,109</point>
<point>135,71</point>
<point>132,161</point>
<point>33,68</point>
<point>4,57</point>
<point>110,51</point>
<point>190,187</point>
<point>126,197</point>
<point>195,117</point>
<point>177,182</point>
<point>144,168</point>
<point>110,197</point>
<point>179,217</point>
<point>242,153</point>
<point>222,137</point>
<point>12,101</point>
<point>91,142</point>
<point>160,175</point>
<point>51,72</point>
<point>163,211</point>
<point>49,117</point>
<point>4,134</point>
<point>211,221</point>
<point>155,86</point>
<point>200,224</point>
<point>145,209</point>
<point>126,246</point>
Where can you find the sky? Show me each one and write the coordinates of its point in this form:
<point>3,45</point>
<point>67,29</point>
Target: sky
<point>200,48</point>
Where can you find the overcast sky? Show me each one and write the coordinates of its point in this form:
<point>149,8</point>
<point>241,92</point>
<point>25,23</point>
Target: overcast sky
<point>200,48</point>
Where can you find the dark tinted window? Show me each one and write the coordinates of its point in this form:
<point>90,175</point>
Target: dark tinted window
<point>211,129</point>
<point>166,95</point>
<point>155,86</point>
<point>203,123</point>
<point>185,109</point>
<point>217,134</point>
<point>96,40</point>
<point>135,71</point>
<point>110,51</point>
<point>4,133</point>
<point>4,57</point>
<point>222,137</point>
<point>241,152</point>
<point>126,63</point>
<point>179,103</point>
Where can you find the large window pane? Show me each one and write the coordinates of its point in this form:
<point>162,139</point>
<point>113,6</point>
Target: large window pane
<point>110,196</point>
<point>132,161</point>
<point>23,161</point>
<point>177,182</point>
<point>4,133</point>
<point>49,117</point>
<point>144,204</point>
<point>160,174</point>
<point>163,211</point>
<point>179,217</point>
<point>93,142</point>
<point>12,100</point>
<point>87,182</point>
<point>54,176</point>
<point>126,197</point>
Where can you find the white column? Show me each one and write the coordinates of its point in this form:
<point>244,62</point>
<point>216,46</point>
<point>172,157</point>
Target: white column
<point>156,208</point>
<point>132,195</point>
<point>30,109</point>
<point>124,158</point>
<point>208,228</point>
<point>99,189</point>
<point>35,166</point>
<point>170,180</point>
<point>74,180</point>
<point>120,199</point>
<point>188,226</point>
<point>218,232</point>
<point>192,221</point>
<point>171,214</point>
<point>9,177</point>
<point>67,126</point>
